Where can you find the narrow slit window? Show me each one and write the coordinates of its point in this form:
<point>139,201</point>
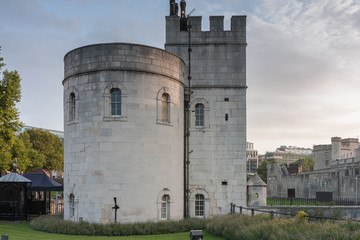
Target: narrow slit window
<point>165,103</point>
<point>72,107</point>
<point>72,205</point>
<point>116,102</point>
<point>226,117</point>
<point>199,115</point>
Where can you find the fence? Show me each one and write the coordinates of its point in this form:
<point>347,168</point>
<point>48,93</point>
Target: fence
<point>278,201</point>
<point>59,210</point>
<point>241,209</point>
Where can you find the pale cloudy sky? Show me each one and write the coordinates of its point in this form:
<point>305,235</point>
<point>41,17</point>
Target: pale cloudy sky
<point>303,58</point>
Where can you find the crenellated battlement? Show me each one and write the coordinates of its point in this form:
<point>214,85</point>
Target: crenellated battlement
<point>326,147</point>
<point>216,34</point>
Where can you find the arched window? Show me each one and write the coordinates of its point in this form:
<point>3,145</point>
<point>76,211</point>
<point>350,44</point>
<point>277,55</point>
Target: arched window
<point>199,115</point>
<point>165,102</point>
<point>72,107</point>
<point>165,206</point>
<point>72,205</point>
<point>199,205</point>
<point>115,102</point>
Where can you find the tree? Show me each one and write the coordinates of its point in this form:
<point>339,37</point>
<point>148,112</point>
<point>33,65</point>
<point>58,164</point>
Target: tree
<point>10,94</point>
<point>262,171</point>
<point>45,150</point>
<point>306,163</point>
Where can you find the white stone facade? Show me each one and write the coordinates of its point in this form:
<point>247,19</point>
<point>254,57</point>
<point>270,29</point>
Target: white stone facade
<point>137,154</point>
<point>218,82</point>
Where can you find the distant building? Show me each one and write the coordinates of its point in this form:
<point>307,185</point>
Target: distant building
<point>60,134</point>
<point>336,172</point>
<point>288,155</point>
<point>261,159</point>
<point>252,160</point>
<point>340,151</point>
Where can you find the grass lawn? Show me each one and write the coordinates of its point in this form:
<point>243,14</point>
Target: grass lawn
<point>23,231</point>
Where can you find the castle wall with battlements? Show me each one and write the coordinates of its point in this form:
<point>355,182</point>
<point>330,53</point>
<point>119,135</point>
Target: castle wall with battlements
<point>125,118</point>
<point>340,151</point>
<point>218,82</point>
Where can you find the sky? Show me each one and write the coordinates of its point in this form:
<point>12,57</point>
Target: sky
<point>303,58</point>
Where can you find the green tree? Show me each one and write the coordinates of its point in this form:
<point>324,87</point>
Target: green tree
<point>45,150</point>
<point>262,170</point>
<point>10,94</point>
<point>306,163</point>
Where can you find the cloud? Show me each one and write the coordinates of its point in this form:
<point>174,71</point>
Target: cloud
<point>302,70</point>
<point>302,57</point>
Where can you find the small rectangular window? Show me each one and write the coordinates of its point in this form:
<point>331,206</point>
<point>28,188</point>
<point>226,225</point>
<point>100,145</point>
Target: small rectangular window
<point>226,117</point>
<point>226,99</point>
<point>224,183</point>
<point>291,192</point>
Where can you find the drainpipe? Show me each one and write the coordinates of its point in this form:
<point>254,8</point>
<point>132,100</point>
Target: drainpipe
<point>188,93</point>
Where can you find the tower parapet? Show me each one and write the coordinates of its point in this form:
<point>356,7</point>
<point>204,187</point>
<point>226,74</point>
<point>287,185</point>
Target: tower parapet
<point>217,60</point>
<point>218,56</point>
<point>217,34</point>
<point>326,147</point>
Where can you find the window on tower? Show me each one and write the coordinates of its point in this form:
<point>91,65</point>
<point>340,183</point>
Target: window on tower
<point>165,105</point>
<point>165,206</point>
<point>72,205</point>
<point>199,205</point>
<point>115,102</point>
<point>72,107</point>
<point>199,115</point>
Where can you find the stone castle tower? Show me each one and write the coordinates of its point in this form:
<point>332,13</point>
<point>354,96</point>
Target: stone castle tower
<point>218,94</point>
<point>141,141</point>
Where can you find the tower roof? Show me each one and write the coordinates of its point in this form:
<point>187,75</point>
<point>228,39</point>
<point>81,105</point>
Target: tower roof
<point>255,181</point>
<point>14,178</point>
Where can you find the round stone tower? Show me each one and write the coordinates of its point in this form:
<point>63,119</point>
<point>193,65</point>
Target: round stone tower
<point>124,117</point>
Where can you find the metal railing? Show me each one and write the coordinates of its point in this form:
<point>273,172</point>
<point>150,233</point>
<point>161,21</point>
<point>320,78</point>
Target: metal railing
<point>233,208</point>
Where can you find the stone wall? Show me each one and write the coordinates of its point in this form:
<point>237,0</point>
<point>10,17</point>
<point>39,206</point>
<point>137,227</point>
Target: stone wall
<point>134,157</point>
<point>341,180</point>
<point>218,81</point>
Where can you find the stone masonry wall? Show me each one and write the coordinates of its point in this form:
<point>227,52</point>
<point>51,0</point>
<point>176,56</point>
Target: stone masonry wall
<point>218,71</point>
<point>134,157</point>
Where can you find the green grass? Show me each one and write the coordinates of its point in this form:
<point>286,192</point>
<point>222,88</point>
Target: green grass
<point>23,231</point>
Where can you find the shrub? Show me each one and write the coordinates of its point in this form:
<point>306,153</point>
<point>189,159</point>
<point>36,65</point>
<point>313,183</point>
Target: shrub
<point>55,224</point>
<point>236,226</point>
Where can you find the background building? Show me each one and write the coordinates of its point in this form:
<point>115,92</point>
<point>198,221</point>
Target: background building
<point>60,134</point>
<point>337,171</point>
<point>288,155</point>
<point>252,159</point>
<point>340,151</point>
